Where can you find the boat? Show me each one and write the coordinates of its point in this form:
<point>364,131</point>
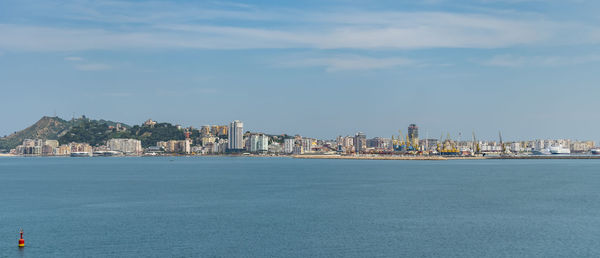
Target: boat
<point>596,151</point>
<point>81,154</point>
<point>559,150</point>
<point>542,152</point>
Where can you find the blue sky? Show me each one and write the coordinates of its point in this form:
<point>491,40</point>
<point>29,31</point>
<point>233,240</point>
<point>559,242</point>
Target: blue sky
<point>317,68</point>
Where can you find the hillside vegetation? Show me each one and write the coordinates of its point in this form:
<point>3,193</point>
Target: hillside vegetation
<point>49,128</point>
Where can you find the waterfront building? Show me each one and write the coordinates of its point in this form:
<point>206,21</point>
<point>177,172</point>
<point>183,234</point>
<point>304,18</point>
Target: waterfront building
<point>219,146</point>
<point>307,145</point>
<point>236,136</point>
<point>253,143</point>
<point>258,143</point>
<point>48,150</point>
<point>288,145</point>
<point>126,146</point>
<point>582,146</point>
<point>379,143</point>
<point>176,146</point>
<point>62,150</point>
<point>360,142</point>
<point>263,143</point>
<point>275,147</point>
<point>413,134</point>
<point>51,143</point>
<point>37,147</point>
<point>80,147</point>
<point>516,147</point>
<point>298,150</point>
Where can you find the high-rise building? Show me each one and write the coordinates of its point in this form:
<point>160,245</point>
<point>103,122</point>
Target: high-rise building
<point>413,134</point>
<point>258,143</point>
<point>360,142</point>
<point>288,145</point>
<point>236,136</point>
<point>263,143</point>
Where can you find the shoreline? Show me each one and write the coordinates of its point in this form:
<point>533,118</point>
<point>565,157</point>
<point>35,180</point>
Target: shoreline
<point>437,157</point>
<point>351,157</point>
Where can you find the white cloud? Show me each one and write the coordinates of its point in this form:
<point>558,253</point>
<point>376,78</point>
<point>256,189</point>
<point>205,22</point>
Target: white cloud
<point>93,67</point>
<point>350,62</point>
<point>521,61</point>
<point>162,25</point>
<point>358,30</point>
<point>73,58</point>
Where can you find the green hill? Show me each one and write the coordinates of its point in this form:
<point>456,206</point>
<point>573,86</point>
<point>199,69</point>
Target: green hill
<point>46,128</point>
<point>50,128</point>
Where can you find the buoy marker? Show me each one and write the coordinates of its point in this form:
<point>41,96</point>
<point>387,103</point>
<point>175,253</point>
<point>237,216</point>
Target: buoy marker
<point>21,240</point>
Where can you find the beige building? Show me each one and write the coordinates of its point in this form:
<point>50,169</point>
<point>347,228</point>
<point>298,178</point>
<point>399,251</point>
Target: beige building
<point>80,147</point>
<point>176,146</point>
<point>126,146</point>
<point>62,150</point>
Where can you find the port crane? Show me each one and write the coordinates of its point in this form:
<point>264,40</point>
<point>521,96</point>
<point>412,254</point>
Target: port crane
<point>476,148</point>
<point>502,143</point>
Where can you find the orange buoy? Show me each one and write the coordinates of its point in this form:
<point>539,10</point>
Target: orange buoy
<point>21,240</point>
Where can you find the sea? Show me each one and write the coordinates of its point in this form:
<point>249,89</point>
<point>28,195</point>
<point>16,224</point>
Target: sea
<point>285,207</point>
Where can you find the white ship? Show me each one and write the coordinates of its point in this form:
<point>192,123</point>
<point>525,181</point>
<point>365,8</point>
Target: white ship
<point>542,152</point>
<point>596,151</point>
<point>560,150</point>
<point>81,154</point>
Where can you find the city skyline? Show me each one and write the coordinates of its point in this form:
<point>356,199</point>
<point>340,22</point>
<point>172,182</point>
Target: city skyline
<point>320,68</point>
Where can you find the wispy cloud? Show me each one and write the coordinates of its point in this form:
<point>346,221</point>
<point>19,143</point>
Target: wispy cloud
<point>521,61</point>
<point>73,58</point>
<point>93,67</point>
<point>349,62</point>
<point>163,25</point>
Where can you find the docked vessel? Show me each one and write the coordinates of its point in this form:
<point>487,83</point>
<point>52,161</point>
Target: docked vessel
<point>560,150</point>
<point>542,152</point>
<point>81,154</point>
<point>595,151</point>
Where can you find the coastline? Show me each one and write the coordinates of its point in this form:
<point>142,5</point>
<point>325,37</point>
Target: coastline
<point>437,157</point>
<point>353,157</point>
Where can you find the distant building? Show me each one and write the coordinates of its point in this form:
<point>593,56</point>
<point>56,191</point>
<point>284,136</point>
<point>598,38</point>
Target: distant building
<point>288,145</point>
<point>236,136</point>
<point>62,150</point>
<point>307,145</point>
<point>275,147</point>
<point>80,147</point>
<point>379,143</point>
<point>51,143</point>
<point>150,123</point>
<point>413,134</point>
<point>298,150</point>
<point>120,128</point>
<point>176,146</point>
<point>205,130</point>
<point>259,143</point>
<point>127,146</point>
<point>219,130</point>
<point>37,147</point>
<point>208,139</point>
<point>360,142</point>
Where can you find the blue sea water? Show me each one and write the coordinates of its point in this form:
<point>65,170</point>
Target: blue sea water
<point>281,207</point>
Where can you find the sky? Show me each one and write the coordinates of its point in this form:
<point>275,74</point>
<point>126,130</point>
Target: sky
<point>527,68</point>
